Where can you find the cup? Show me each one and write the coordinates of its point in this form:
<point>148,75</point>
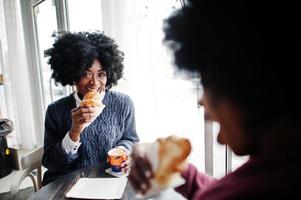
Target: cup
<point>115,157</point>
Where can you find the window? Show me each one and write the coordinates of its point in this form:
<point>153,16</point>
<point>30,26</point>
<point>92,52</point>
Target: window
<point>84,15</point>
<point>165,101</point>
<point>137,28</point>
<point>45,26</point>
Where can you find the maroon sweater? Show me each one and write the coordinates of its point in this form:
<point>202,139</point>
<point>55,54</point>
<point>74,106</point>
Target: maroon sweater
<point>259,178</point>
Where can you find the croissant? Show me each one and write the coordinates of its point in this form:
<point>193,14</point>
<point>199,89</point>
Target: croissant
<point>92,99</point>
<point>173,152</point>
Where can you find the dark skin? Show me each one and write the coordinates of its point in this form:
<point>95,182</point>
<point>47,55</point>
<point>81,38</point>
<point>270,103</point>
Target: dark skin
<point>95,80</point>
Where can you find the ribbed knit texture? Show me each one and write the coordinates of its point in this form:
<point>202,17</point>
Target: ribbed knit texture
<point>115,126</point>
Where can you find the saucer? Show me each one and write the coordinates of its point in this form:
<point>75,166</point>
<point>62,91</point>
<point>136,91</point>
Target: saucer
<point>116,174</point>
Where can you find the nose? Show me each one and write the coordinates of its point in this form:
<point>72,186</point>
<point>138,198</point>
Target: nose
<point>201,102</point>
<point>94,79</point>
<point>94,82</point>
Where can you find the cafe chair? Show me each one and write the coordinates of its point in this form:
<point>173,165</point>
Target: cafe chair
<point>31,164</point>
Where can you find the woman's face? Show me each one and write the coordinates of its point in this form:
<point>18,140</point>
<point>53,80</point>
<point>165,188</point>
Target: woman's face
<point>229,117</point>
<point>95,79</point>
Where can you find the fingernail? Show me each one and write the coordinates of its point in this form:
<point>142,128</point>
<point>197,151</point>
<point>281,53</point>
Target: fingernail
<point>147,173</point>
<point>143,186</point>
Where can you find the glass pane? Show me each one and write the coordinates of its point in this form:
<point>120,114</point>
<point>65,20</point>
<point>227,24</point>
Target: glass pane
<point>84,16</point>
<point>165,104</point>
<point>238,161</point>
<point>46,25</point>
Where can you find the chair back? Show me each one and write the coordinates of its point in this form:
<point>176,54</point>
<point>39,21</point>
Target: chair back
<point>29,162</point>
<point>33,159</point>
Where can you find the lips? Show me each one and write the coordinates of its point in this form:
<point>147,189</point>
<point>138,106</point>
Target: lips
<point>93,89</point>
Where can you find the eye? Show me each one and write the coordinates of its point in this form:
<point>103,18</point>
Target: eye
<point>87,75</point>
<point>102,74</point>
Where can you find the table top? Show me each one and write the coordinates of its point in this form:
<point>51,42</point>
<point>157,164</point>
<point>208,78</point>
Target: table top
<point>57,189</point>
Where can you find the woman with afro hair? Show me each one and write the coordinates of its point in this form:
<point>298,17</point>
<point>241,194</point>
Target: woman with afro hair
<point>247,54</point>
<point>78,136</point>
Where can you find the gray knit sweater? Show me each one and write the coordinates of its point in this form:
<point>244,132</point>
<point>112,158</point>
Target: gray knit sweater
<point>115,126</point>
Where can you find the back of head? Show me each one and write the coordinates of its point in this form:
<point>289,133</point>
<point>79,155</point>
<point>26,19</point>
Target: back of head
<point>245,51</point>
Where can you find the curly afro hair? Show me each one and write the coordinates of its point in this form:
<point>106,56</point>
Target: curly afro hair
<point>244,51</point>
<point>73,53</point>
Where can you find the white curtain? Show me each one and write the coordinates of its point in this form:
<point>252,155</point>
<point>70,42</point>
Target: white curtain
<point>165,103</point>
<point>17,91</point>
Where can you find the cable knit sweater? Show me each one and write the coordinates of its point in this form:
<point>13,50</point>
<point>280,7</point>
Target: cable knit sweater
<point>115,126</point>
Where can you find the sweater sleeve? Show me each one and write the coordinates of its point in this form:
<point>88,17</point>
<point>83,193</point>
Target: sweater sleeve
<point>195,182</point>
<point>55,157</point>
<point>129,136</point>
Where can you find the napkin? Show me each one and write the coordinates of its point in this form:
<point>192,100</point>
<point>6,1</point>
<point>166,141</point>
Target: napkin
<point>98,188</point>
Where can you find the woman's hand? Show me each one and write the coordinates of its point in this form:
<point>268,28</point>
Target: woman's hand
<point>126,165</point>
<point>141,172</point>
<point>81,116</point>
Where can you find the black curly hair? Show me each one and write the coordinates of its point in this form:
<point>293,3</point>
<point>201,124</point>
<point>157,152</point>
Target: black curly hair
<point>245,51</point>
<point>73,53</point>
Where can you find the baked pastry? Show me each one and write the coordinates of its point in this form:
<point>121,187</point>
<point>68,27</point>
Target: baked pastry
<point>173,152</point>
<point>92,99</point>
